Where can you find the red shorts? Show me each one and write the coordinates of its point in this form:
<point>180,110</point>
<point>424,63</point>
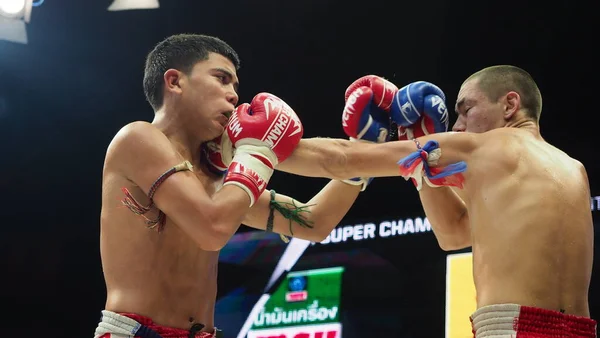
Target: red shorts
<point>118,326</point>
<point>516,321</point>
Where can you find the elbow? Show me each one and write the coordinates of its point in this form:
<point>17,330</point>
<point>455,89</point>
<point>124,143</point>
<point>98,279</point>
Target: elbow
<point>214,233</point>
<point>453,244</point>
<point>220,231</point>
<point>322,222</point>
<point>322,228</point>
<point>459,237</point>
<point>212,240</point>
<point>456,241</point>
<point>319,235</point>
<point>211,243</point>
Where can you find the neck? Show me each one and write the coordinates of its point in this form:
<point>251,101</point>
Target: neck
<point>525,124</point>
<point>175,129</point>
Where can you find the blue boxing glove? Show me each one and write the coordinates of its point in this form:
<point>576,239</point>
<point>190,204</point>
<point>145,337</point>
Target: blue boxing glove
<point>419,109</point>
<point>366,113</point>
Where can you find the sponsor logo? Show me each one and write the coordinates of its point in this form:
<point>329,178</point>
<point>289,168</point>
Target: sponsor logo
<point>284,115</point>
<point>234,125</point>
<point>312,312</point>
<point>333,330</point>
<point>297,289</point>
<point>277,129</point>
<point>441,109</point>
<point>349,108</point>
<point>320,288</point>
<point>406,109</point>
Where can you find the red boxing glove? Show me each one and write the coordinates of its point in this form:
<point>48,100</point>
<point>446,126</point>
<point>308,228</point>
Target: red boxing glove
<point>263,133</point>
<point>366,113</point>
<point>380,91</point>
<point>218,154</point>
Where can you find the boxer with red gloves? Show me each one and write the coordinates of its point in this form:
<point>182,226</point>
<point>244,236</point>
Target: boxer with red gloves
<point>263,133</point>
<point>165,214</point>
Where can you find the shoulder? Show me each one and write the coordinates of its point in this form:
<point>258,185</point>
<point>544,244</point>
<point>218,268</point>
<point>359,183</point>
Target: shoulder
<point>133,140</point>
<point>136,134</point>
<point>505,140</point>
<point>501,146</point>
<point>580,167</point>
<point>135,131</point>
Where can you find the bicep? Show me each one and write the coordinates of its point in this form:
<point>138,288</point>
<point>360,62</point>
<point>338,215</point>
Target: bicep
<point>454,146</point>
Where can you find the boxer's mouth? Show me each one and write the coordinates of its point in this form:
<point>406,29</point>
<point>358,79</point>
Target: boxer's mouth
<point>225,118</point>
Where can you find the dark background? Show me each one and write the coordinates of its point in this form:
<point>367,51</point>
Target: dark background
<point>65,94</point>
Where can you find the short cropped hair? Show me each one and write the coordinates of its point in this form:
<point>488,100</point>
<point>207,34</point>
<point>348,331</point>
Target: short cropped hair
<point>498,80</point>
<point>180,52</point>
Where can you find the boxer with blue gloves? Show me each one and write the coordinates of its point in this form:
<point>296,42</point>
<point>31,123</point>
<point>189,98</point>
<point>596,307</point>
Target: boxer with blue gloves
<point>419,109</point>
<point>521,203</point>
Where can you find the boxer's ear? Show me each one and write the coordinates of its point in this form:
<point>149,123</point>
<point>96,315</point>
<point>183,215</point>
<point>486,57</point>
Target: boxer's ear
<point>172,78</point>
<point>512,104</point>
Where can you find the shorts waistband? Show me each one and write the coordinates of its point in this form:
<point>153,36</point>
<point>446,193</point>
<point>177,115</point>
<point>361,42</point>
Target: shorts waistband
<point>134,325</point>
<point>510,319</point>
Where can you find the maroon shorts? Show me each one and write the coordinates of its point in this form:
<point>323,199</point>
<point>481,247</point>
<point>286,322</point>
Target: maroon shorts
<point>117,325</point>
<point>516,321</point>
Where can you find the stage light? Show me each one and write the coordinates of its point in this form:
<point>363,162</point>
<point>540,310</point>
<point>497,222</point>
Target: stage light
<point>14,14</point>
<point>123,5</point>
<point>12,8</point>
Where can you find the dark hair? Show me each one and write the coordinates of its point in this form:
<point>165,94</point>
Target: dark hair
<point>180,52</point>
<point>496,81</point>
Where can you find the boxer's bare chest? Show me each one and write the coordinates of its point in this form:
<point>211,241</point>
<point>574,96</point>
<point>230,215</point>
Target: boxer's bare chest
<point>185,257</point>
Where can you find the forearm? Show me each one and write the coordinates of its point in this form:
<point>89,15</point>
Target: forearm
<point>322,213</point>
<point>330,205</point>
<point>378,160</point>
<point>318,157</point>
<point>448,216</point>
<point>342,159</point>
